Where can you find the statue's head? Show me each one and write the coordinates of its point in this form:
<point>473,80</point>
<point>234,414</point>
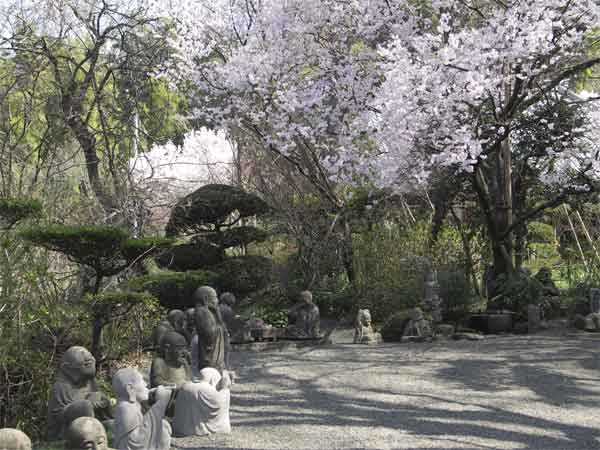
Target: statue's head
<point>13,439</point>
<point>78,364</point>
<point>210,376</point>
<point>174,348</point>
<point>190,319</point>
<point>306,297</point>
<point>86,433</point>
<point>364,317</point>
<point>206,296</point>
<point>176,318</point>
<point>129,385</point>
<point>227,298</point>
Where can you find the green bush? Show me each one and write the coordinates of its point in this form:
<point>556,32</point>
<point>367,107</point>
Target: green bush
<point>193,256</point>
<point>174,289</point>
<point>12,210</point>
<point>516,292</point>
<point>244,274</point>
<point>457,295</point>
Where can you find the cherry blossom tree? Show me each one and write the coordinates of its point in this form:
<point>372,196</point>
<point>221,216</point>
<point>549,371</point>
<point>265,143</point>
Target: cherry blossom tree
<point>384,92</point>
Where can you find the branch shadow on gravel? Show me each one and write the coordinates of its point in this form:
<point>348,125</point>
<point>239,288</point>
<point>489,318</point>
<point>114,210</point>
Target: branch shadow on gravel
<point>293,402</point>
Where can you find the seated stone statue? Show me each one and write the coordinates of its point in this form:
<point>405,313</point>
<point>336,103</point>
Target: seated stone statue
<point>303,318</point>
<point>13,439</point>
<point>134,430</point>
<point>75,393</point>
<point>203,405</point>
<point>550,293</point>
<point>417,326</point>
<point>210,346</point>
<point>86,433</point>
<point>172,368</point>
<point>363,330</point>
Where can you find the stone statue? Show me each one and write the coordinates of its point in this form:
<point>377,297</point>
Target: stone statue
<point>363,330</point>
<point>431,299</point>
<point>86,433</point>
<point>175,322</point>
<point>203,405</point>
<point>226,304</point>
<point>190,324</point>
<point>303,318</point>
<point>417,326</point>
<point>133,429</point>
<point>550,294</point>
<point>172,367</point>
<point>211,342</point>
<point>75,393</point>
<point>13,439</point>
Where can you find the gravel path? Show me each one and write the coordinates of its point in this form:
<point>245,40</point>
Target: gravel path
<point>511,392</point>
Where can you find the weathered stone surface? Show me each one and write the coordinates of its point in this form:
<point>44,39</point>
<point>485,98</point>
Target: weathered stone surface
<point>212,340</point>
<point>417,326</point>
<point>594,300</point>
<point>75,392</point>
<point>135,430</point>
<point>579,321</point>
<point>363,329</point>
<point>432,303</point>
<point>203,405</point>
<point>304,318</point>
<point>534,318</point>
<point>172,368</point>
<point>445,329</point>
<point>13,439</point>
<point>468,336</point>
<point>592,322</point>
<point>86,433</point>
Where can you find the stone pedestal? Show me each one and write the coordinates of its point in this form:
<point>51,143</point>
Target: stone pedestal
<point>534,318</point>
<point>594,300</point>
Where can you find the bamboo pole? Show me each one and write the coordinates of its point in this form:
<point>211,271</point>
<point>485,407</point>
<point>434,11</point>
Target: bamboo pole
<point>587,235</point>
<point>587,269</point>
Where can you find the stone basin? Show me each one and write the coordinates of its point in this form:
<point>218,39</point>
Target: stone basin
<point>489,323</point>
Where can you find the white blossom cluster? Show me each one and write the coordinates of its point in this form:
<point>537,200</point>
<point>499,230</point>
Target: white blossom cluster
<point>385,89</point>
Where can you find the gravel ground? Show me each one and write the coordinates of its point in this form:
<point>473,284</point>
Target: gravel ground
<point>507,392</point>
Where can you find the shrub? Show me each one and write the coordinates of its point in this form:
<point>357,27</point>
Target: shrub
<point>516,292</point>
<point>456,293</point>
<point>244,274</point>
<point>174,289</point>
<point>13,210</point>
<point>193,256</point>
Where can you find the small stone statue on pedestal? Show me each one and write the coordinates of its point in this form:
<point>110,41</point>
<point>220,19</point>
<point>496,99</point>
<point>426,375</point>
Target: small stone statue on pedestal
<point>432,303</point>
<point>304,319</point>
<point>363,330</point>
